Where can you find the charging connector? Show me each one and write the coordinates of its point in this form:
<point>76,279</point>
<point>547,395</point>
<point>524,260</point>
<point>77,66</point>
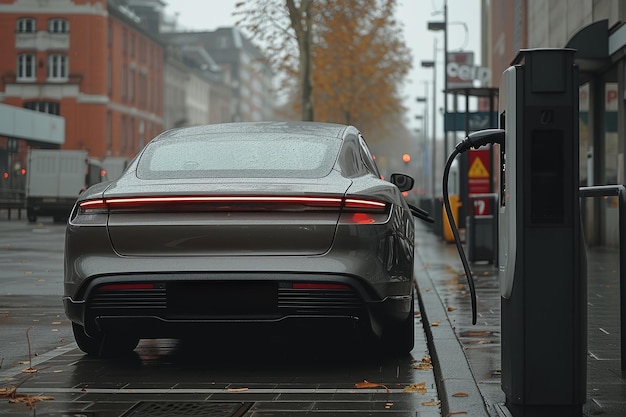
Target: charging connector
<point>473,140</point>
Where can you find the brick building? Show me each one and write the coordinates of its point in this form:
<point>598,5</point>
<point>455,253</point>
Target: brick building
<point>90,62</point>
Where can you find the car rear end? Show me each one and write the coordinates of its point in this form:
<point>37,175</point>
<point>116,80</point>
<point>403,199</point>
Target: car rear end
<point>164,256</point>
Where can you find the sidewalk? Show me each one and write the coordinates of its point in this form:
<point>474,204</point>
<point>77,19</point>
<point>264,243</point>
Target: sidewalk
<point>467,357</point>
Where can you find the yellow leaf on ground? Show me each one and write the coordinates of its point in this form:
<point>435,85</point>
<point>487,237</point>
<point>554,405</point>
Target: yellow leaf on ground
<point>424,365</point>
<point>237,389</point>
<point>367,384</point>
<point>431,403</point>
<point>460,394</point>
<point>7,391</point>
<point>30,400</point>
<point>419,388</point>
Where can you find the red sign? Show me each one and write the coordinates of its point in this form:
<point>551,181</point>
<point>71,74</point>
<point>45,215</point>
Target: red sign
<point>479,179</point>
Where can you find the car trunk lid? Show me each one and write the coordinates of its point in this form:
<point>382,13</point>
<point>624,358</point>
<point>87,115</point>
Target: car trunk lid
<point>229,219</point>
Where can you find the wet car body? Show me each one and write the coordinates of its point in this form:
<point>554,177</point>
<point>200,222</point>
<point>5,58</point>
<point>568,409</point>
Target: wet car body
<point>222,226</point>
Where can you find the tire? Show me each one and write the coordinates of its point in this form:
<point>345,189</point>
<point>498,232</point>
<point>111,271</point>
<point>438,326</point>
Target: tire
<point>89,345</point>
<point>400,339</point>
<point>32,217</point>
<point>105,345</point>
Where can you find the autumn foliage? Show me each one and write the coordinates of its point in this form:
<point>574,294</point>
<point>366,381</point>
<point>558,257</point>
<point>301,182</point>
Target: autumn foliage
<point>357,56</point>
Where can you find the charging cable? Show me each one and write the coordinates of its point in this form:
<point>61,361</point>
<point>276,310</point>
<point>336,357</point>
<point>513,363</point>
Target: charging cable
<point>473,140</point>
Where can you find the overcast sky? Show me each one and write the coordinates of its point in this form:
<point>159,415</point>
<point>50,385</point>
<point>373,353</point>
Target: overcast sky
<point>414,14</point>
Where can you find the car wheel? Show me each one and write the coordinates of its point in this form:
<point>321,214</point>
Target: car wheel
<point>87,344</point>
<point>400,339</point>
<point>105,344</point>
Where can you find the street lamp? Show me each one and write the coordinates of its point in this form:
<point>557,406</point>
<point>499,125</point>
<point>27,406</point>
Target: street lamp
<point>424,165</point>
<point>431,64</point>
<point>443,26</point>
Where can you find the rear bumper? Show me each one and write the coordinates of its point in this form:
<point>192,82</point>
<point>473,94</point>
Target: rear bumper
<point>158,314</point>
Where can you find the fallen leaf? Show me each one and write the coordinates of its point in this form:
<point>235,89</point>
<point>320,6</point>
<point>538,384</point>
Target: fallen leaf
<point>424,365</point>
<point>30,400</point>
<point>388,406</point>
<point>431,403</point>
<point>435,323</point>
<point>237,389</point>
<point>29,370</point>
<point>451,308</point>
<point>454,413</point>
<point>460,394</point>
<point>56,322</point>
<point>7,391</point>
<point>367,384</point>
<point>419,387</point>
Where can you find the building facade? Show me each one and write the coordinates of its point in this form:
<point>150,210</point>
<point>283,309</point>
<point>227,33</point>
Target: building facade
<point>596,30</point>
<point>249,72</point>
<point>89,62</point>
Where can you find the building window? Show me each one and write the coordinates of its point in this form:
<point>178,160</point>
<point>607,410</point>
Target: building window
<point>109,77</point>
<point>26,67</point>
<point>123,79</point>
<point>58,26</point>
<point>57,67</point>
<point>26,25</point>
<point>108,133</point>
<point>131,85</point>
<point>50,107</point>
<point>123,134</point>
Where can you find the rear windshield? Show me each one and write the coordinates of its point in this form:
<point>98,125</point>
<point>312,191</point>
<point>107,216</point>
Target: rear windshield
<point>261,156</point>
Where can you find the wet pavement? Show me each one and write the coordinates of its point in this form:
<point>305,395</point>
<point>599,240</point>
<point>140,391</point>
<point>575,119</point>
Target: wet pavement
<point>322,374</point>
<point>256,375</point>
<point>467,355</point>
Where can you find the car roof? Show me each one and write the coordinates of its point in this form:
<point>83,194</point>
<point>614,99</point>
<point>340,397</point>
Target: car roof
<point>289,127</point>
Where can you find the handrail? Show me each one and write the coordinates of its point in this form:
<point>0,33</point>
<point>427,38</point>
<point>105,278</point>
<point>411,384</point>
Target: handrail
<point>620,192</point>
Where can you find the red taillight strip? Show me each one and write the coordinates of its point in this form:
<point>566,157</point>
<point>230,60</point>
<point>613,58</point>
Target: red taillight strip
<point>327,202</point>
<point>124,287</point>
<point>313,201</point>
<point>319,286</point>
<point>93,205</point>
<point>354,203</point>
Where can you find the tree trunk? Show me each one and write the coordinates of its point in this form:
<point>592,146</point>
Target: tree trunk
<point>301,21</point>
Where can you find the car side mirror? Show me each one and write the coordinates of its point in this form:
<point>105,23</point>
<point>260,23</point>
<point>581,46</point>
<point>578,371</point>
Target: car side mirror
<point>402,181</point>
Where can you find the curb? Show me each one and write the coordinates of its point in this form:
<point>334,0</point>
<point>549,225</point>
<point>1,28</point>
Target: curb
<point>456,385</point>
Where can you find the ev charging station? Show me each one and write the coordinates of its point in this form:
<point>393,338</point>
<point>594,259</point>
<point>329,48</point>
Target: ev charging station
<point>542,267</point>
<point>542,259</point>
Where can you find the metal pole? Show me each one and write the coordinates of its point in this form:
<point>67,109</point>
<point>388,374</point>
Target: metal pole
<point>434,139</point>
<point>425,140</point>
<point>445,75</point>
